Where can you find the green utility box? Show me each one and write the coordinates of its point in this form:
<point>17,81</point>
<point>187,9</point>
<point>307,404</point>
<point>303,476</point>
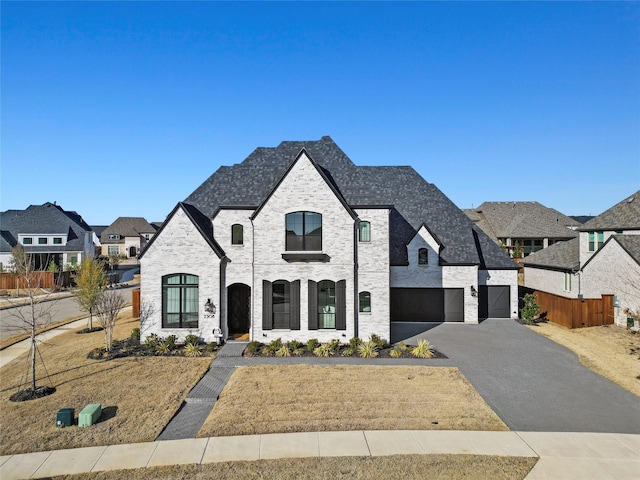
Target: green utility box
<point>64,418</point>
<point>89,415</point>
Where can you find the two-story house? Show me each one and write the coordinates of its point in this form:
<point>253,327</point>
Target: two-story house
<point>48,233</point>
<point>603,260</point>
<point>126,236</point>
<point>298,242</point>
<point>522,228</point>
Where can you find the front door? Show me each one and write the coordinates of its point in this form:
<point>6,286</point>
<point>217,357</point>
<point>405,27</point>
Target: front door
<point>239,300</point>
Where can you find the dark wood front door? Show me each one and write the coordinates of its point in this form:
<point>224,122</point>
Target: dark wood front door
<point>239,300</point>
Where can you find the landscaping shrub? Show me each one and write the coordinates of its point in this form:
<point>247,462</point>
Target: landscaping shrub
<point>312,344</point>
<point>530,308</point>
<point>368,349</point>
<point>422,350</point>
<point>253,347</point>
<point>191,350</point>
<point>191,339</point>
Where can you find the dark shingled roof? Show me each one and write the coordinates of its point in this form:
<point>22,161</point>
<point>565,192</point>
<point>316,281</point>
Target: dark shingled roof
<point>46,219</point>
<point>522,220</point>
<point>562,255</point>
<point>622,216</point>
<point>127,227</point>
<point>414,200</point>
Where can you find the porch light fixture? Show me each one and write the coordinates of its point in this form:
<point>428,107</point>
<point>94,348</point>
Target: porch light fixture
<point>474,292</point>
<point>209,307</point>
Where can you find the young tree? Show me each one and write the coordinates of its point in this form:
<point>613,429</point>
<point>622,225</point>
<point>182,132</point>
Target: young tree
<point>107,310</point>
<point>32,314</point>
<point>91,281</point>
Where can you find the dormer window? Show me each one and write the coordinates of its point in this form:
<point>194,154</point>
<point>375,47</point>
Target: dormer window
<point>304,231</point>
<point>237,234</point>
<point>27,241</point>
<point>42,241</point>
<point>114,237</point>
<point>423,256</point>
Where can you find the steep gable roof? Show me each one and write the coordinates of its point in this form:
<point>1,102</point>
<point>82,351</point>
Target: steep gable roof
<point>522,220</point>
<point>45,219</point>
<point>561,255</point>
<point>415,201</point>
<point>629,243</point>
<point>624,215</point>
<point>202,223</point>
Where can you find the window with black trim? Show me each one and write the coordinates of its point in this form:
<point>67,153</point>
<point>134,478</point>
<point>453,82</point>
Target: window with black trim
<point>423,256</point>
<point>304,231</point>
<point>57,240</point>
<point>326,304</point>
<point>42,241</point>
<point>237,234</point>
<point>281,303</point>
<point>180,301</point>
<point>27,241</point>
<point>364,302</point>
<point>364,231</point>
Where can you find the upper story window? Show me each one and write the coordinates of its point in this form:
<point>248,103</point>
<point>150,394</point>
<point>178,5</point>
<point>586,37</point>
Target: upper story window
<point>364,302</point>
<point>364,231</point>
<point>237,234</point>
<point>423,256</point>
<point>57,240</point>
<point>592,240</point>
<point>42,240</point>
<point>304,231</point>
<point>27,241</point>
<point>114,237</point>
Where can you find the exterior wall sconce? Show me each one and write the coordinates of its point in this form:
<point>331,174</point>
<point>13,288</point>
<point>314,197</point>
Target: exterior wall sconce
<point>209,307</point>
<point>474,292</point>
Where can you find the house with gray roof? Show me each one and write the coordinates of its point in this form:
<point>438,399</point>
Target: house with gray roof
<point>529,225</point>
<point>603,260</point>
<point>48,233</point>
<point>298,242</point>
<point>126,236</point>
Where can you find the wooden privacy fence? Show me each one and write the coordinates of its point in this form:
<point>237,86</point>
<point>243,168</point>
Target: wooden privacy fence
<point>576,312</point>
<point>135,302</point>
<point>48,280</point>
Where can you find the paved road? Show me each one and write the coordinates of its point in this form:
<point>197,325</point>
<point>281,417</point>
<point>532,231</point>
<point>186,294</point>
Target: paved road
<point>533,383</point>
<point>60,309</point>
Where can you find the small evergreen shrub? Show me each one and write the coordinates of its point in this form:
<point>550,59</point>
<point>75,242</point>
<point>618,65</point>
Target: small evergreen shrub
<point>192,350</point>
<point>273,346</point>
<point>380,342</point>
<point>530,308</point>
<point>352,349</point>
<point>283,351</point>
<point>191,339</point>
<point>135,334</point>
<point>253,347</point>
<point>324,350</point>
<point>312,344</point>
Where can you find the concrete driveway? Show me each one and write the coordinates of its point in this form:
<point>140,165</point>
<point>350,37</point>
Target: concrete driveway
<point>532,383</point>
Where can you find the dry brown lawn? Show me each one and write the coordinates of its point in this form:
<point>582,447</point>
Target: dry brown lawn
<point>303,398</point>
<point>139,396</point>
<point>433,467</point>
<point>609,350</point>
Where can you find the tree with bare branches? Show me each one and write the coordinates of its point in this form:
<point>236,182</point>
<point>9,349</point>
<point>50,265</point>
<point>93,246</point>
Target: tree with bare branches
<point>107,310</point>
<point>31,312</point>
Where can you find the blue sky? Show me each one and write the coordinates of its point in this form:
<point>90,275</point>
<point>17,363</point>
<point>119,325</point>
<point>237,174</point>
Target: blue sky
<point>123,109</point>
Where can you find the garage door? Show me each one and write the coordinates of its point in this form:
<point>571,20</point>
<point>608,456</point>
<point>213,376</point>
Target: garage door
<point>494,301</point>
<point>427,305</point>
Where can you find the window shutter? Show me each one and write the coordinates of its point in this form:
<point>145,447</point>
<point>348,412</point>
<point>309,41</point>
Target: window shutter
<point>313,305</point>
<point>267,307</point>
<point>341,305</point>
<point>294,306</point>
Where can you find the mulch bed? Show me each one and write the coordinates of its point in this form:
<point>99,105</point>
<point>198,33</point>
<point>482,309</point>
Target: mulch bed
<point>133,348</point>
<point>341,352</point>
<point>29,394</point>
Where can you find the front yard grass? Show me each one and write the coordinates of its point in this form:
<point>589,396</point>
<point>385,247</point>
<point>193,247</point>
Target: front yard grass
<point>305,398</point>
<point>608,350</point>
<point>433,467</point>
<point>139,395</point>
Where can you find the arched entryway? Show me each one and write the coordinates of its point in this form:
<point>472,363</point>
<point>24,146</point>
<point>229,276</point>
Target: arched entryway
<point>239,303</point>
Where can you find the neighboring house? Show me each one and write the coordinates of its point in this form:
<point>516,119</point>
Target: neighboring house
<point>603,260</point>
<point>48,233</point>
<point>126,236</point>
<point>297,242</point>
<point>528,225</point>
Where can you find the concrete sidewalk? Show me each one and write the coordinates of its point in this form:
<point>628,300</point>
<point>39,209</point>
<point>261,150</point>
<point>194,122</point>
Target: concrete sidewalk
<point>582,456</point>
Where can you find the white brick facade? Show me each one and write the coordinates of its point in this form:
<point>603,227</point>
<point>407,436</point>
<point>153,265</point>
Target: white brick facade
<point>362,265</point>
<point>180,249</point>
